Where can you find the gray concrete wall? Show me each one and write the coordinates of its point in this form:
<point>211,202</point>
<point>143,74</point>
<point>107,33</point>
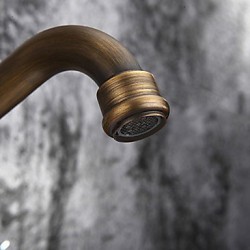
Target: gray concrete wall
<point>65,185</point>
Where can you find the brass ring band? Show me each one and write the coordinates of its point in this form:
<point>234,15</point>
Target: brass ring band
<point>127,94</point>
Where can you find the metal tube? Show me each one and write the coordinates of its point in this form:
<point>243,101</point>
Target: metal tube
<point>59,49</point>
<point>94,53</point>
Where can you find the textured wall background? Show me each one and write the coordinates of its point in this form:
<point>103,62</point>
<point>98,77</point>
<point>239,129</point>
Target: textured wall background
<point>65,185</point>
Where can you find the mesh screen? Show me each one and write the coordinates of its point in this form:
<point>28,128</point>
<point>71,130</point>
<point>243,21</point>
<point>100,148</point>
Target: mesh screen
<point>139,126</point>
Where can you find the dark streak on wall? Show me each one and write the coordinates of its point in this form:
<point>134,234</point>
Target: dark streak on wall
<point>66,165</point>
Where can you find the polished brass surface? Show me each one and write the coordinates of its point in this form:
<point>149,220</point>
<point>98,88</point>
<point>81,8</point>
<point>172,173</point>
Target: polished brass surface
<point>128,96</point>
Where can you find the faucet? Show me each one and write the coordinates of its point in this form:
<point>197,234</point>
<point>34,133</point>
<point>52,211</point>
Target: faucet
<point>129,98</point>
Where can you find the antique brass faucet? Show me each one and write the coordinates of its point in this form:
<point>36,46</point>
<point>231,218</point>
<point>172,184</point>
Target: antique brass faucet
<point>129,98</point>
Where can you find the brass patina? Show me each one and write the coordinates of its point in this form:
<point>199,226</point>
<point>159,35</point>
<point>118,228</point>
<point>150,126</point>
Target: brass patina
<point>129,98</point>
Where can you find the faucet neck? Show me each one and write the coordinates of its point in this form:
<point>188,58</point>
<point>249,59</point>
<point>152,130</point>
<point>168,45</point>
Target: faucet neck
<point>60,49</point>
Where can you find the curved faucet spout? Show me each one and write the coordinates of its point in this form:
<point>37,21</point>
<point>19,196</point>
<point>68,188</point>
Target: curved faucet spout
<point>89,51</point>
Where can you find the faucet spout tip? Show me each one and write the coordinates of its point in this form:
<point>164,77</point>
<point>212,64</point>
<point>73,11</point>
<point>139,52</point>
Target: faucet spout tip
<point>132,106</point>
